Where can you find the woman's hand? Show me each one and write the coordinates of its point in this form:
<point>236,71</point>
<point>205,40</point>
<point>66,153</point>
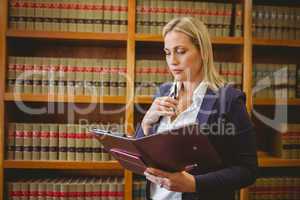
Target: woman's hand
<point>162,106</point>
<point>178,181</point>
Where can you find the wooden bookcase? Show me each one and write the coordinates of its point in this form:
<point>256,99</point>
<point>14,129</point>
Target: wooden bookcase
<point>128,45</point>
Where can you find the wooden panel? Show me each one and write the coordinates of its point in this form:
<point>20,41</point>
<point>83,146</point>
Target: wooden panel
<point>276,102</point>
<point>247,53</point>
<point>3,25</point>
<point>269,42</point>
<point>265,160</point>
<point>130,69</point>
<point>13,164</point>
<point>128,185</point>
<point>64,98</point>
<point>143,99</point>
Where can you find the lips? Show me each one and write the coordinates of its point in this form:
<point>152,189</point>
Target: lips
<point>177,71</point>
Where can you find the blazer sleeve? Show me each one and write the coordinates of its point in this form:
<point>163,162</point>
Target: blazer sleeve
<point>243,172</point>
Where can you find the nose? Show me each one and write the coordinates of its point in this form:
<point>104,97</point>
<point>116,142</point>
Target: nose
<point>173,60</point>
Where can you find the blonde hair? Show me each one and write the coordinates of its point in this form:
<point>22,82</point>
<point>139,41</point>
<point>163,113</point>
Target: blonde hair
<point>199,35</point>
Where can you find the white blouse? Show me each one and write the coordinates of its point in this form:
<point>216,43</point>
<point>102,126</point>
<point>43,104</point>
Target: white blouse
<point>186,117</point>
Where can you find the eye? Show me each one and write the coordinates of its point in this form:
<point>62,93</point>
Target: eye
<point>180,51</point>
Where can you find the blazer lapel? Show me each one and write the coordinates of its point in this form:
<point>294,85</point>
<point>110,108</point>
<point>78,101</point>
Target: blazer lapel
<point>207,106</point>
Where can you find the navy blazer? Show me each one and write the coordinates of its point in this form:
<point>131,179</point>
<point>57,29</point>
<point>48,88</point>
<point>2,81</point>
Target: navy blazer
<point>237,150</point>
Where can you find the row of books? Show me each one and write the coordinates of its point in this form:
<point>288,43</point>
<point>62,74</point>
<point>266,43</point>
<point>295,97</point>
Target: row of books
<point>275,80</point>
<point>283,188</point>
<point>153,15</point>
<point>72,76</point>
<point>286,142</point>
<point>69,16</point>
<point>80,188</point>
<point>231,72</point>
<point>139,189</point>
<point>276,22</point>
<point>150,74</point>
<point>68,142</point>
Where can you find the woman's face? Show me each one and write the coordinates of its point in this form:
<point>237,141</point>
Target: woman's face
<point>183,57</point>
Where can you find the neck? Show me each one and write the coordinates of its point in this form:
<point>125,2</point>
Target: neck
<point>190,86</point>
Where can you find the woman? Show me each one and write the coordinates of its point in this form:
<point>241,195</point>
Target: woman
<point>199,94</point>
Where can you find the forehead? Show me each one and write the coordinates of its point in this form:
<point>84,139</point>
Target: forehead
<point>175,38</point>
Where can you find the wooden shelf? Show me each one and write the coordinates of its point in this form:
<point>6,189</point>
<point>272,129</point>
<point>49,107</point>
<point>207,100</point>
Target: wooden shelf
<point>265,160</point>
<point>260,102</point>
<point>68,35</point>
<point>215,40</point>
<point>64,98</point>
<point>20,164</point>
<point>143,99</point>
<point>269,42</point>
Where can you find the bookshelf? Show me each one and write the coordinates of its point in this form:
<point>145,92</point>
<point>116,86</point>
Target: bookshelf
<point>245,49</point>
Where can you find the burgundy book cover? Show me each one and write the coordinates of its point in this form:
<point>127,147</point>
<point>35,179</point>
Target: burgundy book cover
<point>172,150</point>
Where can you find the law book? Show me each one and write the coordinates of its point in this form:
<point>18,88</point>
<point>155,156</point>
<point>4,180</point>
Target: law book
<point>114,68</point>
<point>45,77</point>
<point>122,78</point>
<point>88,143</point>
<point>42,187</point>
<point>153,17</point>
<point>36,141</point>
<point>11,74</point>
<point>139,16</point>
<point>53,141</point>
<point>79,188</point>
<point>45,142</point>
<point>33,190</point>
<point>71,143</point>
<point>62,142</point>
<point>138,154</point>
<point>19,83</point>
<point>72,16</point>
<point>13,14</point>
<point>37,75</point>
<point>105,77</point>
<point>145,25</point>
<point>19,141</point>
<point>97,76</point>
<point>107,16</point>
<point>27,146</point>
<point>79,142</point>
<point>11,141</point>
<point>52,75</point>
<point>79,77</point>
<point>88,77</point>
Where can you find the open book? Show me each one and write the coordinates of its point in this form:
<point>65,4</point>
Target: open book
<point>172,150</point>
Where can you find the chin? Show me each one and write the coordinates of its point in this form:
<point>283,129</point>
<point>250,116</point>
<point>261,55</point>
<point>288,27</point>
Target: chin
<point>179,78</point>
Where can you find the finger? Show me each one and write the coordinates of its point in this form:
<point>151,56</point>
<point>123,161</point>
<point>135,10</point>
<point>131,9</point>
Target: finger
<point>163,113</point>
<point>167,104</point>
<point>154,179</point>
<point>167,108</point>
<point>170,100</point>
<point>158,172</point>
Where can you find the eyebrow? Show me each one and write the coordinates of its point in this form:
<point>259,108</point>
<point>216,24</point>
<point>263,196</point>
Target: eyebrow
<point>176,47</point>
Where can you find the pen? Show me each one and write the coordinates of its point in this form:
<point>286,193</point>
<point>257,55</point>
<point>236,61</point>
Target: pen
<point>175,95</point>
<point>175,91</point>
